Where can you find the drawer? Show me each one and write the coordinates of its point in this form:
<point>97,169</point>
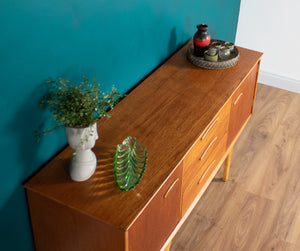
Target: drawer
<point>154,225</point>
<point>241,105</point>
<point>205,146</point>
<point>200,163</point>
<point>196,184</point>
<point>218,126</point>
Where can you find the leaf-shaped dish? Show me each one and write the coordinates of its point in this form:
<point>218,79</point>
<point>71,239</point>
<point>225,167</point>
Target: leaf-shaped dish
<point>129,163</point>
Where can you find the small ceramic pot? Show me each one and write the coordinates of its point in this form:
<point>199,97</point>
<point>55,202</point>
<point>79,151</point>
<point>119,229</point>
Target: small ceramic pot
<point>230,46</point>
<point>211,56</point>
<point>216,44</point>
<point>224,52</point>
<point>212,51</point>
<point>84,161</point>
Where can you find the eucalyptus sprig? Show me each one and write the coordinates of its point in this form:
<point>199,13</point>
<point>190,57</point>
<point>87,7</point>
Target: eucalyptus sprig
<point>77,105</point>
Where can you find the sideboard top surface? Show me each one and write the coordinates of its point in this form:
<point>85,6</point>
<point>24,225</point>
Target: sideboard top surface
<point>167,112</point>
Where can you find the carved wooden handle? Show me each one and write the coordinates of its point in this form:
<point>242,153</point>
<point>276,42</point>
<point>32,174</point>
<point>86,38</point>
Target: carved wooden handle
<point>238,98</point>
<point>209,146</point>
<point>170,188</point>
<point>203,175</point>
<point>209,128</point>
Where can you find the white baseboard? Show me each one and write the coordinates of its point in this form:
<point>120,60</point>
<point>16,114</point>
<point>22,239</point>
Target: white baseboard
<point>279,81</point>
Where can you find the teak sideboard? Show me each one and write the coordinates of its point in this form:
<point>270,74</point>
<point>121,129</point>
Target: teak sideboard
<point>188,119</point>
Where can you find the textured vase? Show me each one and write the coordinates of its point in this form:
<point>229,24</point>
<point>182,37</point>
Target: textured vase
<point>84,161</point>
<point>201,40</point>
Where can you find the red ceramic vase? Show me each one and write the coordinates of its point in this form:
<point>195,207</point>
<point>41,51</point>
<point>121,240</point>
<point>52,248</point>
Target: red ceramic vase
<point>201,40</point>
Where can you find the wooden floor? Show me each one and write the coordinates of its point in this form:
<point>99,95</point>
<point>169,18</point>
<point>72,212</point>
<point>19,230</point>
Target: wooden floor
<point>259,207</point>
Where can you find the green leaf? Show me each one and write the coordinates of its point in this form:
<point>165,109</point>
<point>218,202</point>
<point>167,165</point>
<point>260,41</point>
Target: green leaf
<point>78,105</point>
<point>129,163</point>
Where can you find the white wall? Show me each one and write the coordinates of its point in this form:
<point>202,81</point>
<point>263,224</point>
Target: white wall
<point>273,27</point>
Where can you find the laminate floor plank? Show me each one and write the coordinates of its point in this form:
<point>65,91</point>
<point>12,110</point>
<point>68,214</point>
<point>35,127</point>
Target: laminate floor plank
<point>258,208</point>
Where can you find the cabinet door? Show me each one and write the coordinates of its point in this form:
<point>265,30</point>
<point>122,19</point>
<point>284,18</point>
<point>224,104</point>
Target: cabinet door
<point>241,106</point>
<point>157,221</point>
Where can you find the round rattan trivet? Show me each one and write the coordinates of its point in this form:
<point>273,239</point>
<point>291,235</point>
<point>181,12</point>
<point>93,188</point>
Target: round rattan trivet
<point>220,64</point>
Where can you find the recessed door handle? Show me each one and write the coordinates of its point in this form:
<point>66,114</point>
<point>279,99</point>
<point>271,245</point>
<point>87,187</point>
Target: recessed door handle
<point>203,175</point>
<point>209,128</point>
<point>209,146</point>
<point>170,188</point>
<point>238,98</point>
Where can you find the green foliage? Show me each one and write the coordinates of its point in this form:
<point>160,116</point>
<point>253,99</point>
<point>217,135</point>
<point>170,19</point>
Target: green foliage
<point>78,105</point>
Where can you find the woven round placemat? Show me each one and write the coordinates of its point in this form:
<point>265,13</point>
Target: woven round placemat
<point>220,64</point>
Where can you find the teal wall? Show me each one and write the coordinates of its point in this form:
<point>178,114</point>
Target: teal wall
<point>118,41</point>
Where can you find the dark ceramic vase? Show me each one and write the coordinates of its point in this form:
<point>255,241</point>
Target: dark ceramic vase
<point>201,40</point>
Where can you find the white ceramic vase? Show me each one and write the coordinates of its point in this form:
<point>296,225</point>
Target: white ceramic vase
<point>84,161</point>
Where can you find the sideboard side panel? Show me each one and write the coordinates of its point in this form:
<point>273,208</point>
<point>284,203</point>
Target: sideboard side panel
<point>58,227</point>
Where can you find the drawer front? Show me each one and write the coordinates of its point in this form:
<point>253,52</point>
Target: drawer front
<point>241,105</point>
<point>200,177</point>
<point>205,146</point>
<point>216,145</point>
<point>152,228</point>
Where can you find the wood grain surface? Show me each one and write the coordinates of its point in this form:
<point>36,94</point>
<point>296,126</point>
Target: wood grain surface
<point>166,122</point>
<point>258,208</point>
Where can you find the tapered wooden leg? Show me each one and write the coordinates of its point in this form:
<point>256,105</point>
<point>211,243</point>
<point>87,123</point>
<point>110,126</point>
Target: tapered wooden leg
<point>227,166</point>
<point>168,247</point>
